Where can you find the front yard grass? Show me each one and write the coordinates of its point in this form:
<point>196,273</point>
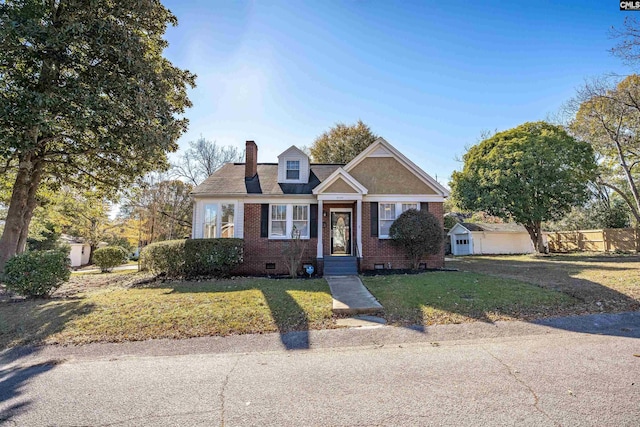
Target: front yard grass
<point>456,297</point>
<point>115,307</point>
<point>599,282</point>
<point>169,310</point>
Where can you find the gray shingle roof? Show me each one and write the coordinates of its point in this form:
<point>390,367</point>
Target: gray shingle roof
<point>230,180</point>
<point>484,226</point>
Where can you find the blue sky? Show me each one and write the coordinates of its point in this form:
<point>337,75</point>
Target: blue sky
<point>427,76</point>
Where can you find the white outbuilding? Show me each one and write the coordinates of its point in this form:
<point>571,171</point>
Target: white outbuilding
<point>484,238</point>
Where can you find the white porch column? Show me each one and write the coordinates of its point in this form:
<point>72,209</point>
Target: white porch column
<point>359,228</point>
<point>319,254</point>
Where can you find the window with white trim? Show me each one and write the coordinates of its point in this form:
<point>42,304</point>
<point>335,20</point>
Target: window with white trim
<point>407,206</point>
<point>287,221</point>
<point>219,220</point>
<point>293,169</point>
<point>386,218</point>
<point>300,221</point>
<point>278,221</point>
<point>388,213</point>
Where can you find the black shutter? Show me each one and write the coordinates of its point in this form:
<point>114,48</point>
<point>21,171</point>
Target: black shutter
<point>264,220</point>
<point>424,206</point>
<point>374,219</point>
<point>313,217</point>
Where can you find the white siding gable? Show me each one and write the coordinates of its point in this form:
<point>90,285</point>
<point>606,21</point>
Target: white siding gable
<point>293,154</point>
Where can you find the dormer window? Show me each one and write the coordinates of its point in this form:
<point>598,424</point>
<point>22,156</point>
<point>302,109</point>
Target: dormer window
<point>293,169</point>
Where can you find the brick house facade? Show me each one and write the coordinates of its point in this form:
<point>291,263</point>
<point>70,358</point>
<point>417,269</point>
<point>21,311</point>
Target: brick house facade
<point>337,211</point>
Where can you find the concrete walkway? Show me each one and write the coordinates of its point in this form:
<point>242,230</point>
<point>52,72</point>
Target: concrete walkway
<point>350,296</point>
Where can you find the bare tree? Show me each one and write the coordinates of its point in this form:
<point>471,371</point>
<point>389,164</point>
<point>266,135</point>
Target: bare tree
<point>628,47</point>
<point>204,157</point>
<point>607,115</point>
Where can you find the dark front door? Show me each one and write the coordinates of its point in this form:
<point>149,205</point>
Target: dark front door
<point>340,233</point>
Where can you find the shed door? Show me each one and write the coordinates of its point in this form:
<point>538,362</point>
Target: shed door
<point>462,244</point>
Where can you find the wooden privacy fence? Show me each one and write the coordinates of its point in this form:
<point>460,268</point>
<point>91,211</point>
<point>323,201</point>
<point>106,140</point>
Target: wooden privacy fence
<point>606,240</point>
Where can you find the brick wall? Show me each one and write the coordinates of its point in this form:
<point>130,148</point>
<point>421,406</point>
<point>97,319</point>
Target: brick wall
<point>258,251</point>
<point>381,251</point>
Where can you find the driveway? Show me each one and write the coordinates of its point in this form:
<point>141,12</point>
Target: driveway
<point>579,371</point>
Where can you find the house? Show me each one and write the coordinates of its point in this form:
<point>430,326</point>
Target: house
<point>342,212</point>
<point>484,238</point>
<point>80,251</point>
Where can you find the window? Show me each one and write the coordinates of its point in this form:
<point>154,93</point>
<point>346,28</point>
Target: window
<point>388,212</point>
<point>226,226</point>
<point>407,206</point>
<point>293,169</point>
<point>300,221</point>
<point>210,221</point>
<point>289,221</point>
<point>219,220</point>
<point>278,221</point>
<point>387,216</point>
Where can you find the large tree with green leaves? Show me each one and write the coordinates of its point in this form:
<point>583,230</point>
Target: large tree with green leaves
<point>529,174</point>
<point>341,143</point>
<point>86,98</point>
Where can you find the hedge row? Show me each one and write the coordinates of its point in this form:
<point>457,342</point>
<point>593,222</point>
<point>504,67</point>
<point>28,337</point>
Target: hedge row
<point>193,257</point>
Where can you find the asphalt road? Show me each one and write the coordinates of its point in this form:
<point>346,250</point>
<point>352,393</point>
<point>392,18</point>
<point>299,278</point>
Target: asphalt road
<point>583,371</point>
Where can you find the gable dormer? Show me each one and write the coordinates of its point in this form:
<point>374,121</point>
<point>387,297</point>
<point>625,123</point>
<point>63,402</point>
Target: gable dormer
<point>293,166</point>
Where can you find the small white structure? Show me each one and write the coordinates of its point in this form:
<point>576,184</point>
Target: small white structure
<point>484,238</point>
<point>80,251</point>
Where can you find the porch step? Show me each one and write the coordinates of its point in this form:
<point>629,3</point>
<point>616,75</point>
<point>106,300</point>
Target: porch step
<point>340,266</point>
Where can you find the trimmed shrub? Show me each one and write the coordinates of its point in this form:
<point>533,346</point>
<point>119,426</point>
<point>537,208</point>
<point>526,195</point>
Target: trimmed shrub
<point>193,257</point>
<point>212,257</point>
<point>109,257</point>
<point>419,233</point>
<point>164,258</point>
<point>36,273</point>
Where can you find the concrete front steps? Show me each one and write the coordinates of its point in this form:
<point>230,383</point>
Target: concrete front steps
<point>340,265</point>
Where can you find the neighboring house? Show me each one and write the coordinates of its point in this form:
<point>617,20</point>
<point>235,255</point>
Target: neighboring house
<point>343,211</point>
<point>483,238</point>
<point>80,251</point>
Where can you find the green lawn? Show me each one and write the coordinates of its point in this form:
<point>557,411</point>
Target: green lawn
<point>176,310</point>
<point>119,307</point>
<point>456,297</point>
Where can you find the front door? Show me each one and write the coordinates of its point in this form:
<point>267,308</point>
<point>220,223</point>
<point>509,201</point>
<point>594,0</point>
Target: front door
<point>340,233</point>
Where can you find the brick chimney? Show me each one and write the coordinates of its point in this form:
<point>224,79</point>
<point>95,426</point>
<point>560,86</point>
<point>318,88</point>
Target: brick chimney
<point>251,163</point>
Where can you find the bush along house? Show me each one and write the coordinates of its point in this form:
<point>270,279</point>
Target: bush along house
<point>341,214</point>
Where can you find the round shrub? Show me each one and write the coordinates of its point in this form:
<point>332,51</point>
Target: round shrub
<point>37,273</point>
<point>109,257</point>
<point>418,233</point>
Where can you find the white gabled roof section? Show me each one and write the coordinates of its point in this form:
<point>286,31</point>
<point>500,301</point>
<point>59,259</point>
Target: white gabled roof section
<point>381,148</point>
<point>336,175</point>
<point>293,150</point>
<point>295,154</point>
<point>458,228</point>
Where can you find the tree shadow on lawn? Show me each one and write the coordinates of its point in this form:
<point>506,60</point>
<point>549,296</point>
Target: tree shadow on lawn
<point>290,318</point>
<point>32,321</point>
